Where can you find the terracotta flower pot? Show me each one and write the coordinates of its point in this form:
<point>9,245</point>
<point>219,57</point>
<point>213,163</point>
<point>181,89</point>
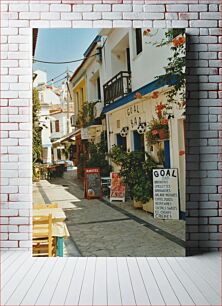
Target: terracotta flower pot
<point>163,134</point>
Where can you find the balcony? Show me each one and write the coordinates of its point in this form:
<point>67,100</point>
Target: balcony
<point>117,87</point>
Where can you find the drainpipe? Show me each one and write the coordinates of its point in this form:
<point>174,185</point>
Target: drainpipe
<point>108,132</point>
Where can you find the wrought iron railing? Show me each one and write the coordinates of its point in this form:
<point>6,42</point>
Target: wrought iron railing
<point>117,87</point>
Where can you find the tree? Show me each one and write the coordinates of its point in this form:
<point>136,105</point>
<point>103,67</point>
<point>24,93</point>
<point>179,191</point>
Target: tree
<point>36,129</point>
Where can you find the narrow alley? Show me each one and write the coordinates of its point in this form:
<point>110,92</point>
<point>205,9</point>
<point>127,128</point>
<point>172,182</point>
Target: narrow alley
<point>99,228</point>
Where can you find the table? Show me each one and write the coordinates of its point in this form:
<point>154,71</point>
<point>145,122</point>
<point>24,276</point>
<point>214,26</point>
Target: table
<point>59,228</point>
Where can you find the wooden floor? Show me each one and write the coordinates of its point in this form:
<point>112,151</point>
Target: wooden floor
<point>110,281</point>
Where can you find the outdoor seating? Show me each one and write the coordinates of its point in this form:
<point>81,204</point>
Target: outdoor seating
<point>43,244</point>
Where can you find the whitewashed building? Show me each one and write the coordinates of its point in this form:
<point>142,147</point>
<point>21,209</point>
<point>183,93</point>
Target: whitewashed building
<point>130,64</point>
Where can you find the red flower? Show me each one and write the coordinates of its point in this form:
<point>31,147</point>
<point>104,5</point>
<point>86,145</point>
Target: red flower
<point>155,94</point>
<point>159,108</point>
<point>179,41</point>
<point>154,132</point>
<point>146,32</point>
<point>138,95</point>
<point>181,152</point>
<point>164,121</point>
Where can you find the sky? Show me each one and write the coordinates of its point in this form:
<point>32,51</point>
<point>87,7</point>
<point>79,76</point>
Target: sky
<point>61,45</point>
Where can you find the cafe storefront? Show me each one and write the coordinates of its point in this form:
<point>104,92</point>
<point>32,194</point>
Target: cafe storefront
<point>129,120</point>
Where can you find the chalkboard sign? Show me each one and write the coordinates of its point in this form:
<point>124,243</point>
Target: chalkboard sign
<point>92,183</point>
<point>165,194</point>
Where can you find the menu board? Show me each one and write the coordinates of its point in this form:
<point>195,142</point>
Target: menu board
<point>92,183</point>
<point>165,194</point>
<point>117,188</point>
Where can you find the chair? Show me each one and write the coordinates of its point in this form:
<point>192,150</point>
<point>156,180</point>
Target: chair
<point>43,244</point>
<point>45,206</point>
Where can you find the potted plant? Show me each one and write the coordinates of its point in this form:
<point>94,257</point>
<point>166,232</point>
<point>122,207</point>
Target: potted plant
<point>158,127</point>
<point>136,170</point>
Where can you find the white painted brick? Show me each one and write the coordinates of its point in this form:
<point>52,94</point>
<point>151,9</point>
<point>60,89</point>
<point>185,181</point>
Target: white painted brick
<point>20,197</point>
<point>177,8</point>
<point>179,23</point>
<point>4,7</point>
<point>19,134</point>
<point>39,24</point>
<point>24,47</point>
<point>39,7</point>
<point>10,142</point>
<point>4,236</point>
<point>82,8</point>
<point>9,63</point>
<point>138,15</point>
<point>60,8</point>
<point>8,16</point>
<point>9,173</point>
<point>18,236</point>
<point>154,8</point>
<point>4,23</point>
<point>25,94</point>
<point>197,7</point>
<point>9,78</point>
<point>29,15</point>
<point>17,39</point>
<point>50,16</point>
<point>82,24</point>
<point>25,229</point>
<point>20,86</point>
<point>112,15</point>
<point>24,126</point>
<point>137,8</point>
<point>213,7</point>
<point>137,23</point>
<point>102,23</point>
<point>203,23</point>
<point>92,15</point>
<point>71,16</point>
<point>187,16</point>
<point>9,244</point>
<point>20,71</point>
<point>19,23</point>
<point>171,16</point>
<point>122,23</point>
<point>162,23</point>
<point>60,24</point>
<point>101,7</point>
<point>19,118</point>
<point>9,94</point>
<point>9,31</point>
<point>5,86</point>
<point>4,220</point>
<point>19,102</point>
<point>25,244</point>
<point>13,110</point>
<point>13,47</point>
<point>18,7</point>
<point>121,8</point>
<point>24,212</point>
<point>213,15</point>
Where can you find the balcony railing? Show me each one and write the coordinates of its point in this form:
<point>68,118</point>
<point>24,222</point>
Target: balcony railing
<point>117,87</point>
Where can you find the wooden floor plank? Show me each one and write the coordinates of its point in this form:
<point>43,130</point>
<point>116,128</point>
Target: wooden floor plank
<point>213,279</point>
<point>86,295</point>
<point>152,288</point>
<point>11,261</point>
<point>212,260</point>
<point>39,282</point>
<point>139,288</point>
<point>167,291</point>
<point>13,269</point>
<point>187,282</point>
<point>100,283</point>
<point>210,293</point>
<point>62,287</point>
<point>181,293</point>
<point>126,289</point>
<point>48,290</point>
<point>5,255</point>
<point>22,288</point>
<point>75,285</point>
<point>113,286</point>
<point>17,278</point>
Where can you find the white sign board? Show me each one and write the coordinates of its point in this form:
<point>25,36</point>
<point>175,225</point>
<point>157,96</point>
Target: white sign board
<point>165,194</point>
<point>84,133</point>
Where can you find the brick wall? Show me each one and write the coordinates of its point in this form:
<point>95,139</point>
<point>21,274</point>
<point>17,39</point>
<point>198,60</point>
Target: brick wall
<point>202,21</point>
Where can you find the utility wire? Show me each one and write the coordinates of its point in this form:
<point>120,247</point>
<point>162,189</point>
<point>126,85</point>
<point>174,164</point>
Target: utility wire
<point>56,77</point>
<point>60,80</point>
<point>68,62</point>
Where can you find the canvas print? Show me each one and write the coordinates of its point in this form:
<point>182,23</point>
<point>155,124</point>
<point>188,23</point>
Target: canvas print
<point>109,175</point>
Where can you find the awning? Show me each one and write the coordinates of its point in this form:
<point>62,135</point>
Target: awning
<point>70,136</point>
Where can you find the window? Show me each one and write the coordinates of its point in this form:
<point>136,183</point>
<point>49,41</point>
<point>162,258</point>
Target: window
<point>98,89</point>
<point>57,125</point>
<point>77,103</point>
<point>51,126</point>
<point>139,47</point>
<point>121,142</point>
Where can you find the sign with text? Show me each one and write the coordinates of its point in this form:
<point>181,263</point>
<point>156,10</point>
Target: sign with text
<point>165,194</point>
<point>118,188</point>
<point>92,183</point>
<point>84,133</point>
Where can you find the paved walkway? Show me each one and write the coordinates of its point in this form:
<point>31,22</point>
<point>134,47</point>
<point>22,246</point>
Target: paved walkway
<point>101,229</point>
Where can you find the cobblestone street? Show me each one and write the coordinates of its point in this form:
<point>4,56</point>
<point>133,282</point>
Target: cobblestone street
<point>98,228</point>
